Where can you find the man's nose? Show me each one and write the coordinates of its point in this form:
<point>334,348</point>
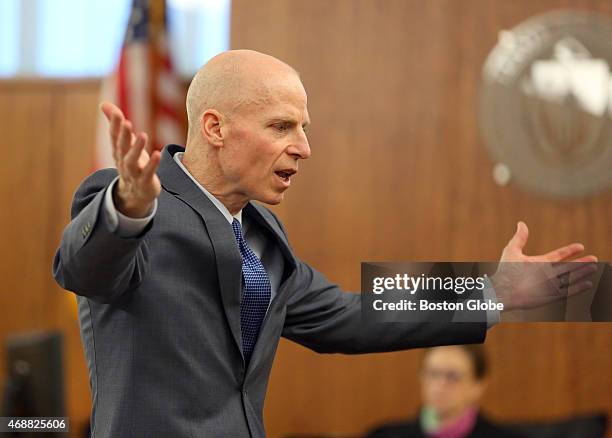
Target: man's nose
<point>300,147</point>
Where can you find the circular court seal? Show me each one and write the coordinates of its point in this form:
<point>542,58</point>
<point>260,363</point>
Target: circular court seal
<point>546,103</point>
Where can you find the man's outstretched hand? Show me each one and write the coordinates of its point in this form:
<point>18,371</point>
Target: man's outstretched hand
<point>136,161</point>
<point>523,282</point>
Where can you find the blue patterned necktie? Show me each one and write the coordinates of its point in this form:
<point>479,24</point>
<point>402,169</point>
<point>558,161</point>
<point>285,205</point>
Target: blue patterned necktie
<point>256,293</point>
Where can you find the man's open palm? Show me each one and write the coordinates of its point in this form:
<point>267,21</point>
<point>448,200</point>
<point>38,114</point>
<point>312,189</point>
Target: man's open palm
<point>523,281</point>
<point>136,160</point>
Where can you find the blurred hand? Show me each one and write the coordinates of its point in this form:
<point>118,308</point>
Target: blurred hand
<point>523,282</point>
<point>136,161</point>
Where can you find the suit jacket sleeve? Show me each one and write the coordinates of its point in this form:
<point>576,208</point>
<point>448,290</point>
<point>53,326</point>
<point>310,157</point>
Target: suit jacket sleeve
<point>327,319</point>
<point>93,260</point>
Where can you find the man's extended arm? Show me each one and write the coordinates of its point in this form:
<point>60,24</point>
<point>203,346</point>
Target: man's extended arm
<point>326,319</point>
<point>93,259</point>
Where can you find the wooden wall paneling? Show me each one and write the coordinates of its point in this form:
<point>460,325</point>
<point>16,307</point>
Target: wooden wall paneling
<point>47,133</point>
<point>24,190</point>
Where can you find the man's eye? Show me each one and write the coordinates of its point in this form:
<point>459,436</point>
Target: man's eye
<point>281,127</point>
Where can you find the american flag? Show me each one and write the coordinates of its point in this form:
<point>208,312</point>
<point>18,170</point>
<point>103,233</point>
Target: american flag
<point>144,84</point>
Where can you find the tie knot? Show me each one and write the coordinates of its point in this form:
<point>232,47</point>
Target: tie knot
<point>237,230</point>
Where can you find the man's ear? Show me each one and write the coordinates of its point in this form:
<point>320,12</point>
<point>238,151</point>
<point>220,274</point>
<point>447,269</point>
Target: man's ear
<point>211,123</point>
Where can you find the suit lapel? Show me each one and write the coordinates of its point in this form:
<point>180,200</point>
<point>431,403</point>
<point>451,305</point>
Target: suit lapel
<point>263,218</point>
<point>227,255</point>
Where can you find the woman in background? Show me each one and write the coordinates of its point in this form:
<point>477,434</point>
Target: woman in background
<point>453,381</point>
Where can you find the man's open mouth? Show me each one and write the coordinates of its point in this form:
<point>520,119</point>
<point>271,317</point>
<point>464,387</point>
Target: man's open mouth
<point>285,175</point>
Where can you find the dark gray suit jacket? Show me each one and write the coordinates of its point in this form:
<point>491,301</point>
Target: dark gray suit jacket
<point>160,315</point>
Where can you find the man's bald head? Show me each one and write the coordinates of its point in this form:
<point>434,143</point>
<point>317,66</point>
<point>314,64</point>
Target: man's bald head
<point>232,81</point>
<point>247,128</point>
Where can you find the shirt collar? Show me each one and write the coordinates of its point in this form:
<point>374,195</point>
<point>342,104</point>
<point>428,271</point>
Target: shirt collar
<point>178,157</point>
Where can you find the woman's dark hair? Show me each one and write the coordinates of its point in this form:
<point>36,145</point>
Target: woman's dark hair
<point>479,359</point>
<point>477,356</point>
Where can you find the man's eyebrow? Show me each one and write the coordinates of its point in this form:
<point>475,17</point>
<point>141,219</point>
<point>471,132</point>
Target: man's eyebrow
<point>287,119</point>
<point>281,119</point>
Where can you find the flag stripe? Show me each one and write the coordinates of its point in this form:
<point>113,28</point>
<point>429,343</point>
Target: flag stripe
<point>121,85</point>
<point>144,84</point>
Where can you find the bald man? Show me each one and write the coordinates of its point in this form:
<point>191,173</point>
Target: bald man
<point>185,285</point>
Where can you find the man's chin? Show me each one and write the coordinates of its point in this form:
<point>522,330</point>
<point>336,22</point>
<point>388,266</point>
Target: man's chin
<point>272,199</point>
